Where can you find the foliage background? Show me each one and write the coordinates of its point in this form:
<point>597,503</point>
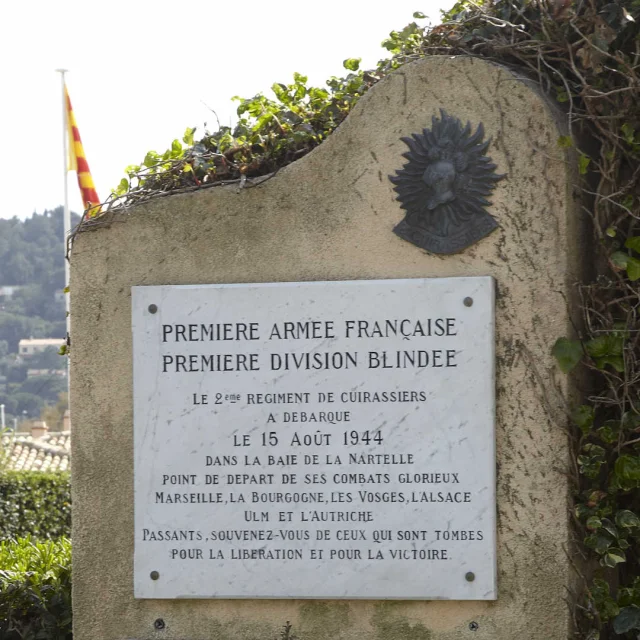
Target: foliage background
<point>35,504</point>
<point>35,555</point>
<point>31,257</point>
<point>35,590</point>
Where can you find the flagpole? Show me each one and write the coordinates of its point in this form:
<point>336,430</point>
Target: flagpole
<point>67,212</point>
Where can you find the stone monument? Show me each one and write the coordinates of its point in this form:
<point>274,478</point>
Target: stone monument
<point>328,397</point>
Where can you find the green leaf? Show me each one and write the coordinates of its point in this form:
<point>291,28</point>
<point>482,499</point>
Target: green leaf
<point>633,243</point>
<point>568,353</point>
<point>122,187</point>
<point>583,164</point>
<point>176,148</point>
<point>583,417</point>
<point>593,523</point>
<point>300,92</point>
<point>418,15</point>
<point>280,91</point>
<point>602,542</point>
<point>611,232</point>
<point>613,557</point>
<point>620,259</point>
<point>628,596</point>
<point>628,132</point>
<point>601,597</point>
<point>627,519</point>
<point>607,433</point>
<point>589,467</point>
<point>609,527</point>
<point>594,450</point>
<point>606,345</point>
<point>150,159</point>
<point>627,620</point>
<point>633,268</point>
<point>318,94</point>
<point>591,462</point>
<point>617,362</point>
<point>187,138</point>
<point>352,64</point>
<point>628,467</point>
<point>564,142</point>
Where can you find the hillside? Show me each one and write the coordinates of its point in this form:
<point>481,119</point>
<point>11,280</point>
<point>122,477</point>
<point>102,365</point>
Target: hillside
<point>32,306</point>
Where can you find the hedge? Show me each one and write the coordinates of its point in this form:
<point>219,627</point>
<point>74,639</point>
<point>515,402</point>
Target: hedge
<point>36,504</point>
<point>35,590</point>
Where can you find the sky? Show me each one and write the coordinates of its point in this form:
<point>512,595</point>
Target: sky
<point>141,72</point>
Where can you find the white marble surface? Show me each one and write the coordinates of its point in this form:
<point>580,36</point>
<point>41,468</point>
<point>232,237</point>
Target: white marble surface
<point>386,489</point>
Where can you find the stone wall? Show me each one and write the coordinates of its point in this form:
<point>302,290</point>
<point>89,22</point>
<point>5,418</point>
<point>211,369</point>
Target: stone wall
<point>330,216</point>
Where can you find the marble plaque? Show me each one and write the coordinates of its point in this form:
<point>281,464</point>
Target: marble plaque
<point>315,440</point>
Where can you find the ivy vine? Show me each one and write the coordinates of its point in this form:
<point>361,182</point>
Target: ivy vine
<point>585,54</point>
<point>270,133</point>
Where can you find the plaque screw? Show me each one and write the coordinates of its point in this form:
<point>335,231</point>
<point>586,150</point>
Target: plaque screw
<point>159,624</point>
<point>467,302</point>
<point>473,626</point>
<point>154,575</point>
<point>470,576</point>
<point>153,308</point>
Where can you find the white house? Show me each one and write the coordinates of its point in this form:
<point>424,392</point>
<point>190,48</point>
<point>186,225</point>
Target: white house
<point>7,291</point>
<point>36,345</point>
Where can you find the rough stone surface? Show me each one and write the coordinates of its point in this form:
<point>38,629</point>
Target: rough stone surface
<point>330,216</point>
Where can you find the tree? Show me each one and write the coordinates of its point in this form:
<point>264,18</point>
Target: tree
<point>14,328</point>
<point>46,387</point>
<point>54,415</point>
<point>48,359</point>
<point>17,372</point>
<point>18,268</point>
<point>10,403</point>
<point>32,256</point>
<point>29,404</point>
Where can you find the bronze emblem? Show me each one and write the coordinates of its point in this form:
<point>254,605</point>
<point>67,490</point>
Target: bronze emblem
<point>444,185</point>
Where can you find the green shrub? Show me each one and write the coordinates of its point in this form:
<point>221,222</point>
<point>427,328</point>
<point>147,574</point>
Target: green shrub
<point>35,503</point>
<point>35,590</point>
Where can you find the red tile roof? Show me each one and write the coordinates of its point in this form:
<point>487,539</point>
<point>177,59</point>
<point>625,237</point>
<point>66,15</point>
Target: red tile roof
<point>21,452</point>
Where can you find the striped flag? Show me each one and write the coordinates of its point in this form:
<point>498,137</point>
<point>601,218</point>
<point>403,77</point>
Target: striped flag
<point>78,162</point>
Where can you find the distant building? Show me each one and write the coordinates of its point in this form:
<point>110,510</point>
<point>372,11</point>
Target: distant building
<point>38,373</point>
<point>7,291</point>
<point>37,345</point>
<point>39,451</point>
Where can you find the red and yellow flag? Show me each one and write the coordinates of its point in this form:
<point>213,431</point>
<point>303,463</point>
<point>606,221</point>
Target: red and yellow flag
<point>78,163</point>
